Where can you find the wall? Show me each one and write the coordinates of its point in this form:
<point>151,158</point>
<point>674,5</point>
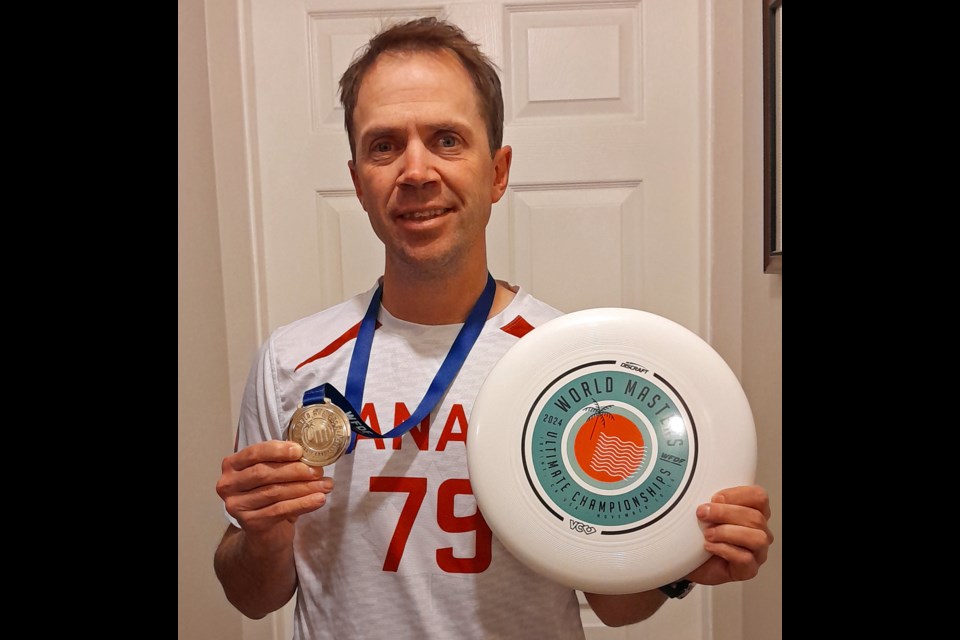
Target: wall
<point>203,402</point>
<point>762,342</point>
<point>746,305</point>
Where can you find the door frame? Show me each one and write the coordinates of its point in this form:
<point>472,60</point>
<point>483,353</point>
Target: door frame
<point>233,118</point>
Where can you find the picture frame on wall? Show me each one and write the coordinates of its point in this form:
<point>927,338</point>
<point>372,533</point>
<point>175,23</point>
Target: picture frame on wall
<point>772,136</point>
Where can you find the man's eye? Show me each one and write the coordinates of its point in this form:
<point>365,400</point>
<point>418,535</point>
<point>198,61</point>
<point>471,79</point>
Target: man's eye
<point>382,147</point>
<point>448,142</point>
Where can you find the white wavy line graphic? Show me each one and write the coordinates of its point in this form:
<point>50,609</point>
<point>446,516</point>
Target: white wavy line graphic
<point>617,457</point>
<point>607,440</point>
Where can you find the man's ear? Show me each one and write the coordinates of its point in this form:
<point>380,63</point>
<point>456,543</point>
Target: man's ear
<point>356,182</point>
<point>501,172</point>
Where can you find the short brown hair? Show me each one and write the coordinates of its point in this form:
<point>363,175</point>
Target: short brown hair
<point>428,34</point>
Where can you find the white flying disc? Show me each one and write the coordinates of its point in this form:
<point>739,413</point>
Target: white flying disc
<point>595,438</point>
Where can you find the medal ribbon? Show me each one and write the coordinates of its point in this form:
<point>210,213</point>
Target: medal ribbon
<point>357,374</point>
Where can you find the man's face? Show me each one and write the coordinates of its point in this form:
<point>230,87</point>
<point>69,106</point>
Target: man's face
<point>423,169</point>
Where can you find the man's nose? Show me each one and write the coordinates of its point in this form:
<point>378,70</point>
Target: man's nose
<point>418,169</point>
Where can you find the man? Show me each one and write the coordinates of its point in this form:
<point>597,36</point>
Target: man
<point>399,548</point>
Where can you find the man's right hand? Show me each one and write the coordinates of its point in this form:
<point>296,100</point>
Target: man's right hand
<point>266,488</point>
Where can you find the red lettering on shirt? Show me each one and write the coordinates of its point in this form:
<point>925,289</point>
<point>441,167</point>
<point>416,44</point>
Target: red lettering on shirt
<point>456,417</point>
<point>454,428</point>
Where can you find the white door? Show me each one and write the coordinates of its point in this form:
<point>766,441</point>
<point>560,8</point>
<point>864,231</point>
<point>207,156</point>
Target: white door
<point>604,110</point>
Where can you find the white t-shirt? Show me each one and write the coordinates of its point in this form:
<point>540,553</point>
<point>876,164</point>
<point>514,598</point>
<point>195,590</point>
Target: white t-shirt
<point>398,550</point>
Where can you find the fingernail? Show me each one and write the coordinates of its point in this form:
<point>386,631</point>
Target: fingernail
<point>703,511</point>
<point>317,472</point>
<point>719,498</point>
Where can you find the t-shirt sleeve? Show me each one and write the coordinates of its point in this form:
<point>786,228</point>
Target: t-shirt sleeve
<point>260,407</point>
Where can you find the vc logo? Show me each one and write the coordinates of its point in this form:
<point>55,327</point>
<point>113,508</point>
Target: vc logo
<point>576,525</point>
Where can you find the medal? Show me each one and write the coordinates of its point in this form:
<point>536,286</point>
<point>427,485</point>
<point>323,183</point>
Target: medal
<point>322,431</point>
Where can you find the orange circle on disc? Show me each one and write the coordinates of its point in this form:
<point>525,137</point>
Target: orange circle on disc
<point>609,447</point>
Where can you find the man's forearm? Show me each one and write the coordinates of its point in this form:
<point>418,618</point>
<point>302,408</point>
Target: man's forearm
<point>616,611</point>
<point>255,580</point>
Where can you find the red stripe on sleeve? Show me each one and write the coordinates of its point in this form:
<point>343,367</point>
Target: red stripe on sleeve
<point>517,327</point>
<point>348,335</point>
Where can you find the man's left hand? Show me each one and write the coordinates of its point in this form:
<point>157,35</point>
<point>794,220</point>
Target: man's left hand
<point>736,534</point>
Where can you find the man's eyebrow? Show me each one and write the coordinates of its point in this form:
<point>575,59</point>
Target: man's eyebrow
<point>448,126</point>
<point>379,132</point>
<point>387,131</point>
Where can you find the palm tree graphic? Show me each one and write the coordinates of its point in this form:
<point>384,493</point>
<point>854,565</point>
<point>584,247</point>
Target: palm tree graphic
<point>599,414</point>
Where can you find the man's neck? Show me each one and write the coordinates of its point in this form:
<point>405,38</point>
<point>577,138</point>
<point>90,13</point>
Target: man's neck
<point>438,299</point>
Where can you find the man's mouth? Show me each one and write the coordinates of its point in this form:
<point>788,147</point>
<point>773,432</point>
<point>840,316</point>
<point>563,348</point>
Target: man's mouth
<point>425,214</point>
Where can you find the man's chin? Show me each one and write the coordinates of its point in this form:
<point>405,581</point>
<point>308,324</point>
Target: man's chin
<point>428,264</point>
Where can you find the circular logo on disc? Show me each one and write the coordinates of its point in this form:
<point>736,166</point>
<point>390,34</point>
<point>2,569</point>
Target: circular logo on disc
<point>609,446</point>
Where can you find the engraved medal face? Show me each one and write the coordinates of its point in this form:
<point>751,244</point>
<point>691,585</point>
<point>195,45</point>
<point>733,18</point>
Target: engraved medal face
<point>322,430</point>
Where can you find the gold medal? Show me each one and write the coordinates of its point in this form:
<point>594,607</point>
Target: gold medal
<point>322,430</point>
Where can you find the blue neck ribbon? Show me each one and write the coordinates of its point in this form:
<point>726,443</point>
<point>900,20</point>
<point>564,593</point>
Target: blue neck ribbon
<point>357,374</point>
